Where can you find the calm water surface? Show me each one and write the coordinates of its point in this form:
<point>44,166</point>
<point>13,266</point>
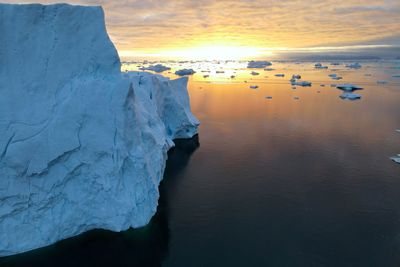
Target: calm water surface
<point>268,182</point>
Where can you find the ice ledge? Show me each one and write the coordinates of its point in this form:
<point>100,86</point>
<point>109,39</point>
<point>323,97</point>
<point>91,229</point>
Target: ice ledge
<point>82,146</point>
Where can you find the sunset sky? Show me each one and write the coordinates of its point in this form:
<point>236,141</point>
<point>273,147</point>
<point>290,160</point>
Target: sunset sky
<point>247,28</point>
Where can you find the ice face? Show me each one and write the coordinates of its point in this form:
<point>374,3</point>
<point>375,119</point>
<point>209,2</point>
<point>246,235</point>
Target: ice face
<point>82,146</point>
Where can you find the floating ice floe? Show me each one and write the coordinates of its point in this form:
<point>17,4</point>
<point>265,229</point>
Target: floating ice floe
<point>280,75</point>
<point>319,66</point>
<point>269,69</point>
<point>396,76</point>
<point>253,86</point>
<point>184,72</point>
<point>206,76</point>
<point>335,63</point>
<point>296,76</point>
<point>254,73</point>
<point>301,83</point>
<point>220,71</point>
<point>268,97</point>
<point>398,131</point>
<point>337,78</point>
<point>233,76</point>
<point>381,82</point>
<point>156,68</point>
<point>348,87</point>
<point>258,64</point>
<point>333,75</point>
<point>296,98</point>
<point>396,158</point>
<point>354,65</point>
<point>350,96</point>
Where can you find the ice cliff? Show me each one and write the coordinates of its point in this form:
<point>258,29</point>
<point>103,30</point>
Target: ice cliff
<point>82,145</point>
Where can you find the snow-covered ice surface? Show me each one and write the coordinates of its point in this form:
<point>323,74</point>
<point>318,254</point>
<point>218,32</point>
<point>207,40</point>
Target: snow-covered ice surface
<point>82,145</point>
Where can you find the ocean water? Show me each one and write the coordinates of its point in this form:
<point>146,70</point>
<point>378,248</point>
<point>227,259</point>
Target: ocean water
<point>300,179</point>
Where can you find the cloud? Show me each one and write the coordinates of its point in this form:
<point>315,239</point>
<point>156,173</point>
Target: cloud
<point>154,24</point>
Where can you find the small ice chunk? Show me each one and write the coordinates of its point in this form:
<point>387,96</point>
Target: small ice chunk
<point>348,87</point>
<point>350,96</point>
<point>296,98</point>
<point>396,76</point>
<point>337,78</point>
<point>381,82</point>
<point>301,83</point>
<point>220,71</point>
<point>333,75</point>
<point>354,65</point>
<point>296,76</point>
<point>269,69</point>
<point>280,75</point>
<point>396,158</point>
<point>253,86</point>
<point>319,66</point>
<point>268,97</point>
<point>254,73</point>
<point>184,72</point>
<point>206,76</point>
<point>258,64</point>
<point>233,76</point>
<point>156,68</point>
<point>398,131</point>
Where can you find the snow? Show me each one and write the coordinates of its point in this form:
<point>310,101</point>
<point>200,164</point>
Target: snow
<point>82,145</point>
<point>185,72</point>
<point>350,96</point>
<point>348,87</point>
<point>156,68</point>
<point>258,64</point>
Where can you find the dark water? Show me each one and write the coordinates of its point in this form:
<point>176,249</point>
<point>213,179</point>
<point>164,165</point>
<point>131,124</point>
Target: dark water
<point>278,182</point>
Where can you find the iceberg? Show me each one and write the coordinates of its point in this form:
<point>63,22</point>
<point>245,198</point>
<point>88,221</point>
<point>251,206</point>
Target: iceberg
<point>350,96</point>
<point>185,72</point>
<point>258,64</point>
<point>82,145</point>
<point>348,87</point>
<point>156,68</point>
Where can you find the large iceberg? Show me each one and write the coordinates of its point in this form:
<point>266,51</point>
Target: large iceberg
<point>82,145</point>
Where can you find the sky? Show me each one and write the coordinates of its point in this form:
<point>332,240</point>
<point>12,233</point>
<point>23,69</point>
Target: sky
<point>246,28</point>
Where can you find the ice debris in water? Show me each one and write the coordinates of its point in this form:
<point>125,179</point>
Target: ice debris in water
<point>354,65</point>
<point>396,158</point>
<point>253,86</point>
<point>301,83</point>
<point>350,96</point>
<point>268,97</point>
<point>184,72</point>
<point>269,69</point>
<point>319,66</point>
<point>381,82</point>
<point>254,73</point>
<point>348,87</point>
<point>258,64</point>
<point>296,76</point>
<point>335,76</point>
<point>156,68</point>
<point>280,75</point>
